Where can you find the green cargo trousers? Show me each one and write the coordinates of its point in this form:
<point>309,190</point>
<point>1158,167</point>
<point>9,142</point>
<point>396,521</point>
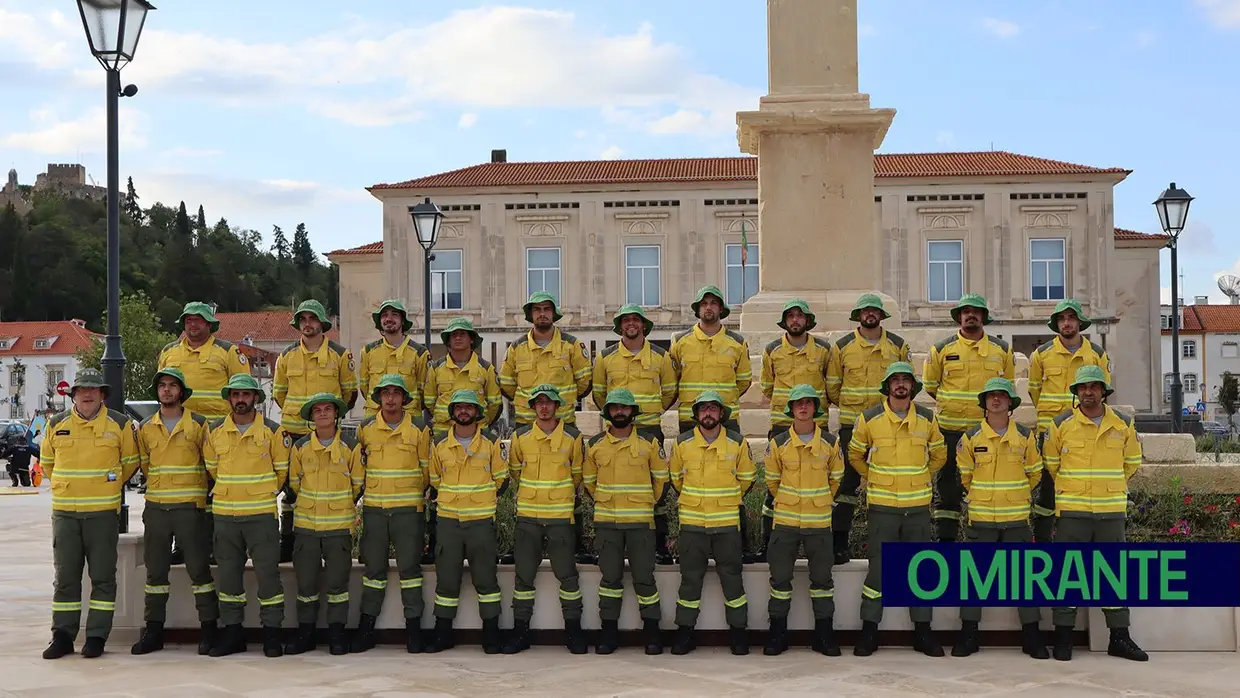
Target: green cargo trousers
<point>186,524</point>
<point>457,542</point>
<point>84,541</point>
<point>561,540</point>
<point>951,492</point>
<point>383,531</point>
<point>1004,533</point>
<point>258,538</point>
<point>891,525</point>
<point>1091,529</point>
<point>322,559</point>
<point>697,546</point>
<point>781,556</point>
<point>636,543</point>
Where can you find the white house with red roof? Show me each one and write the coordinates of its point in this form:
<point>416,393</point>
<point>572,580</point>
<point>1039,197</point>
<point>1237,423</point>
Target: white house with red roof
<point>34,358</point>
<point>1209,347</point>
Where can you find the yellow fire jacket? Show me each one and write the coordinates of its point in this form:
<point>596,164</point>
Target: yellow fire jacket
<point>785,366</point>
<point>712,478</point>
<point>702,362</point>
<point>804,477</point>
<point>857,369</point>
<point>564,363</point>
<point>407,360</point>
<point>396,462</point>
<point>897,457</point>
<point>999,473</point>
<point>1052,368</point>
<point>547,470</point>
<point>467,477</point>
<point>444,377</point>
<point>625,477</point>
<point>206,371</point>
<point>1091,464</point>
<point>172,461</point>
<point>327,481</point>
<point>89,460</point>
<point>249,468</point>
<point>301,374</point>
<point>957,370</point>
<point>648,374</point>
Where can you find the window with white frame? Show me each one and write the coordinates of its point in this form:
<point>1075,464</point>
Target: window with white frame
<point>641,271</point>
<point>740,283</point>
<point>1190,382</point>
<point>542,271</point>
<point>1047,269</point>
<point>1189,349</point>
<point>945,270</point>
<point>446,279</point>
<point>1165,321</point>
<point>1231,350</point>
<point>1167,378</point>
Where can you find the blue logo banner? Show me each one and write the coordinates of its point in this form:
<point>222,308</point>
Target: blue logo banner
<point>1061,574</point>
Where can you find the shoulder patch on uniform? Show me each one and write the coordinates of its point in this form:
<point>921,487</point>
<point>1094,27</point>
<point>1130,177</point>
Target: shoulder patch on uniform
<point>681,335</point>
<point>594,439</point>
<point>873,412</point>
<point>821,342</point>
<point>565,336</point>
<point>845,340</point>
<point>896,339</point>
<point>198,418</point>
<point>367,422</point>
<point>945,342</point>
<point>1125,418</point>
<point>522,430</point>
<point>373,345</point>
<point>772,345</point>
<point>273,426</point>
<point>57,418</point>
<point>417,346</point>
<point>1023,430</point>
<point>417,421</point>
<point>1097,348</point>
<point>734,436</point>
<point>436,363</point>
<point>1044,347</point>
<point>999,342</point>
<point>303,440</point>
<point>170,345</point>
<point>782,438</point>
<point>974,430</point>
<point>1062,417</point>
<point>146,421</point>
<point>214,422</point>
<point>684,436</point>
<point>572,430</point>
<point>222,343</point>
<point>290,348</point>
<point>440,439</point>
<point>348,440</point>
<point>735,336</point>
<point>608,351</point>
<point>656,349</point>
<point>489,435</point>
<point>925,413</point>
<point>827,437</point>
<point>119,417</point>
<point>483,362</point>
<point>518,342</point>
<point>339,349</point>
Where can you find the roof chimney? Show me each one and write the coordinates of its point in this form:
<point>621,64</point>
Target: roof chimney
<point>499,155</point>
<point>1201,300</point>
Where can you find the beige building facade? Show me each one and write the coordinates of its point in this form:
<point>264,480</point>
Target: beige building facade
<point>1023,231</point>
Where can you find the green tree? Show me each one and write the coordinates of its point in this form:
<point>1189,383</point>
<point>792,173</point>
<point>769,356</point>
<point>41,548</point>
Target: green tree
<point>130,204</point>
<point>143,339</point>
<point>1229,397</point>
<point>303,254</point>
<point>202,218</point>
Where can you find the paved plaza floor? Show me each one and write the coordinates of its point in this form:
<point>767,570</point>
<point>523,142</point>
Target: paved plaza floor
<point>544,672</point>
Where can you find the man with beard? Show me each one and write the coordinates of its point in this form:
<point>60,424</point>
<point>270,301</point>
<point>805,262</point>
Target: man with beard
<point>1051,367</point>
<point>897,448</point>
<point>955,371</point>
<point>625,474</point>
<point>645,370</point>
<point>393,353</point>
<point>205,360</point>
<point>170,444</point>
<point>247,457</point>
<point>89,453</point>
<point>712,469</point>
<point>1092,451</point>
<point>856,371</point>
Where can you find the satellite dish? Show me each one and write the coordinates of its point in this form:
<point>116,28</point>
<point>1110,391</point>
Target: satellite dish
<point>1229,284</point>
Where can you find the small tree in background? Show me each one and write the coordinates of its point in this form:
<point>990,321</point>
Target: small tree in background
<point>142,340</point>
<point>1229,397</point>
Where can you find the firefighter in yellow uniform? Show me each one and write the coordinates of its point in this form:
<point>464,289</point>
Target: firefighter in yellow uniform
<point>393,353</point>
<point>858,363</point>
<point>1052,367</point>
<point>955,371</point>
<point>897,448</point>
<point>1092,451</point>
<point>206,360</point>
<point>89,453</point>
<point>1000,467</point>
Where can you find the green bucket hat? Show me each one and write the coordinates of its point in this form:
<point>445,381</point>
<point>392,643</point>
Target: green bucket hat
<point>714,291</point>
<point>391,380</point>
<point>307,409</point>
<point>998,385</point>
<point>200,309</point>
<point>406,323</point>
<point>1065,305</point>
<point>546,389</point>
<point>971,300</point>
<point>711,396</point>
<point>90,378</point>
<point>868,300</point>
<point>620,396</point>
<point>243,381</point>
<point>314,307</point>
<point>174,373</point>
<point>541,297</point>
<point>800,392</point>
<point>1091,374</point>
<point>804,308</point>
<point>468,397</point>
<point>465,325</point>
<point>632,309</point>
<point>898,367</point>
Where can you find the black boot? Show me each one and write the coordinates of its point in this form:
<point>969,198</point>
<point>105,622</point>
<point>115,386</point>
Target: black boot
<point>824,641</point>
<point>60,645</point>
<point>506,559</point>
<point>519,640</point>
<point>443,637</point>
<point>231,641</point>
<point>1031,641</point>
<point>93,647</point>
<point>867,644</point>
<point>271,642</point>
<point>364,638</point>
<point>738,640</point>
<point>925,642</point>
<point>662,555</point>
<point>653,636</point>
<point>608,638</point>
<point>839,545</point>
<point>969,642</point>
<point>492,641</point>
<point>413,636</point>
<point>1122,646</point>
<point>576,640</point>
<point>151,639</point>
<point>777,638</point>
<point>686,640</point>
<point>1063,643</point>
<point>207,637</point>
<point>303,641</point>
<point>337,641</point>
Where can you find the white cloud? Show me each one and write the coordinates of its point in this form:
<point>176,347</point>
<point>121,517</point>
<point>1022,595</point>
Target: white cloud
<point>369,113</point>
<point>49,40</point>
<point>52,135</point>
<point>1001,28</point>
<point>1224,14</point>
<point>613,152</point>
<point>945,138</point>
<point>467,120</point>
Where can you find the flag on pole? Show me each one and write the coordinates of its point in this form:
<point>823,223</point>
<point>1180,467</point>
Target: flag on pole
<point>744,245</point>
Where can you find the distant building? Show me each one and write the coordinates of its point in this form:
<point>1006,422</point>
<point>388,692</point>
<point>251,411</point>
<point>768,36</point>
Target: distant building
<point>1209,347</point>
<point>69,180</point>
<point>34,358</point>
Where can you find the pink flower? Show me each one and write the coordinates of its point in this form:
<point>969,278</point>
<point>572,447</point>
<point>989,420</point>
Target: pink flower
<point>1211,508</point>
<point>1188,499</point>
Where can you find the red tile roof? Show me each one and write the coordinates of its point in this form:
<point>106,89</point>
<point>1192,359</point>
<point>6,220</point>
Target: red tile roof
<point>372,248</point>
<point>1125,234</point>
<point>1190,323</point>
<point>69,336</point>
<point>1217,318</point>
<point>268,326</point>
<point>730,169</point>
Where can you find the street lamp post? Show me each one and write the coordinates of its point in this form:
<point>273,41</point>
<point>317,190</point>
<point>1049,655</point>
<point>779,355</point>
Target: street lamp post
<point>113,28</point>
<point>1172,209</point>
<point>426,219</point>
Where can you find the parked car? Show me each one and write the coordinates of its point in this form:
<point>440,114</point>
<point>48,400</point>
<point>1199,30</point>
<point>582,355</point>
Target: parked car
<point>1214,428</point>
<point>9,433</point>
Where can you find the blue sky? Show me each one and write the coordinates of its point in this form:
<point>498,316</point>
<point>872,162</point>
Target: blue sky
<point>281,112</point>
